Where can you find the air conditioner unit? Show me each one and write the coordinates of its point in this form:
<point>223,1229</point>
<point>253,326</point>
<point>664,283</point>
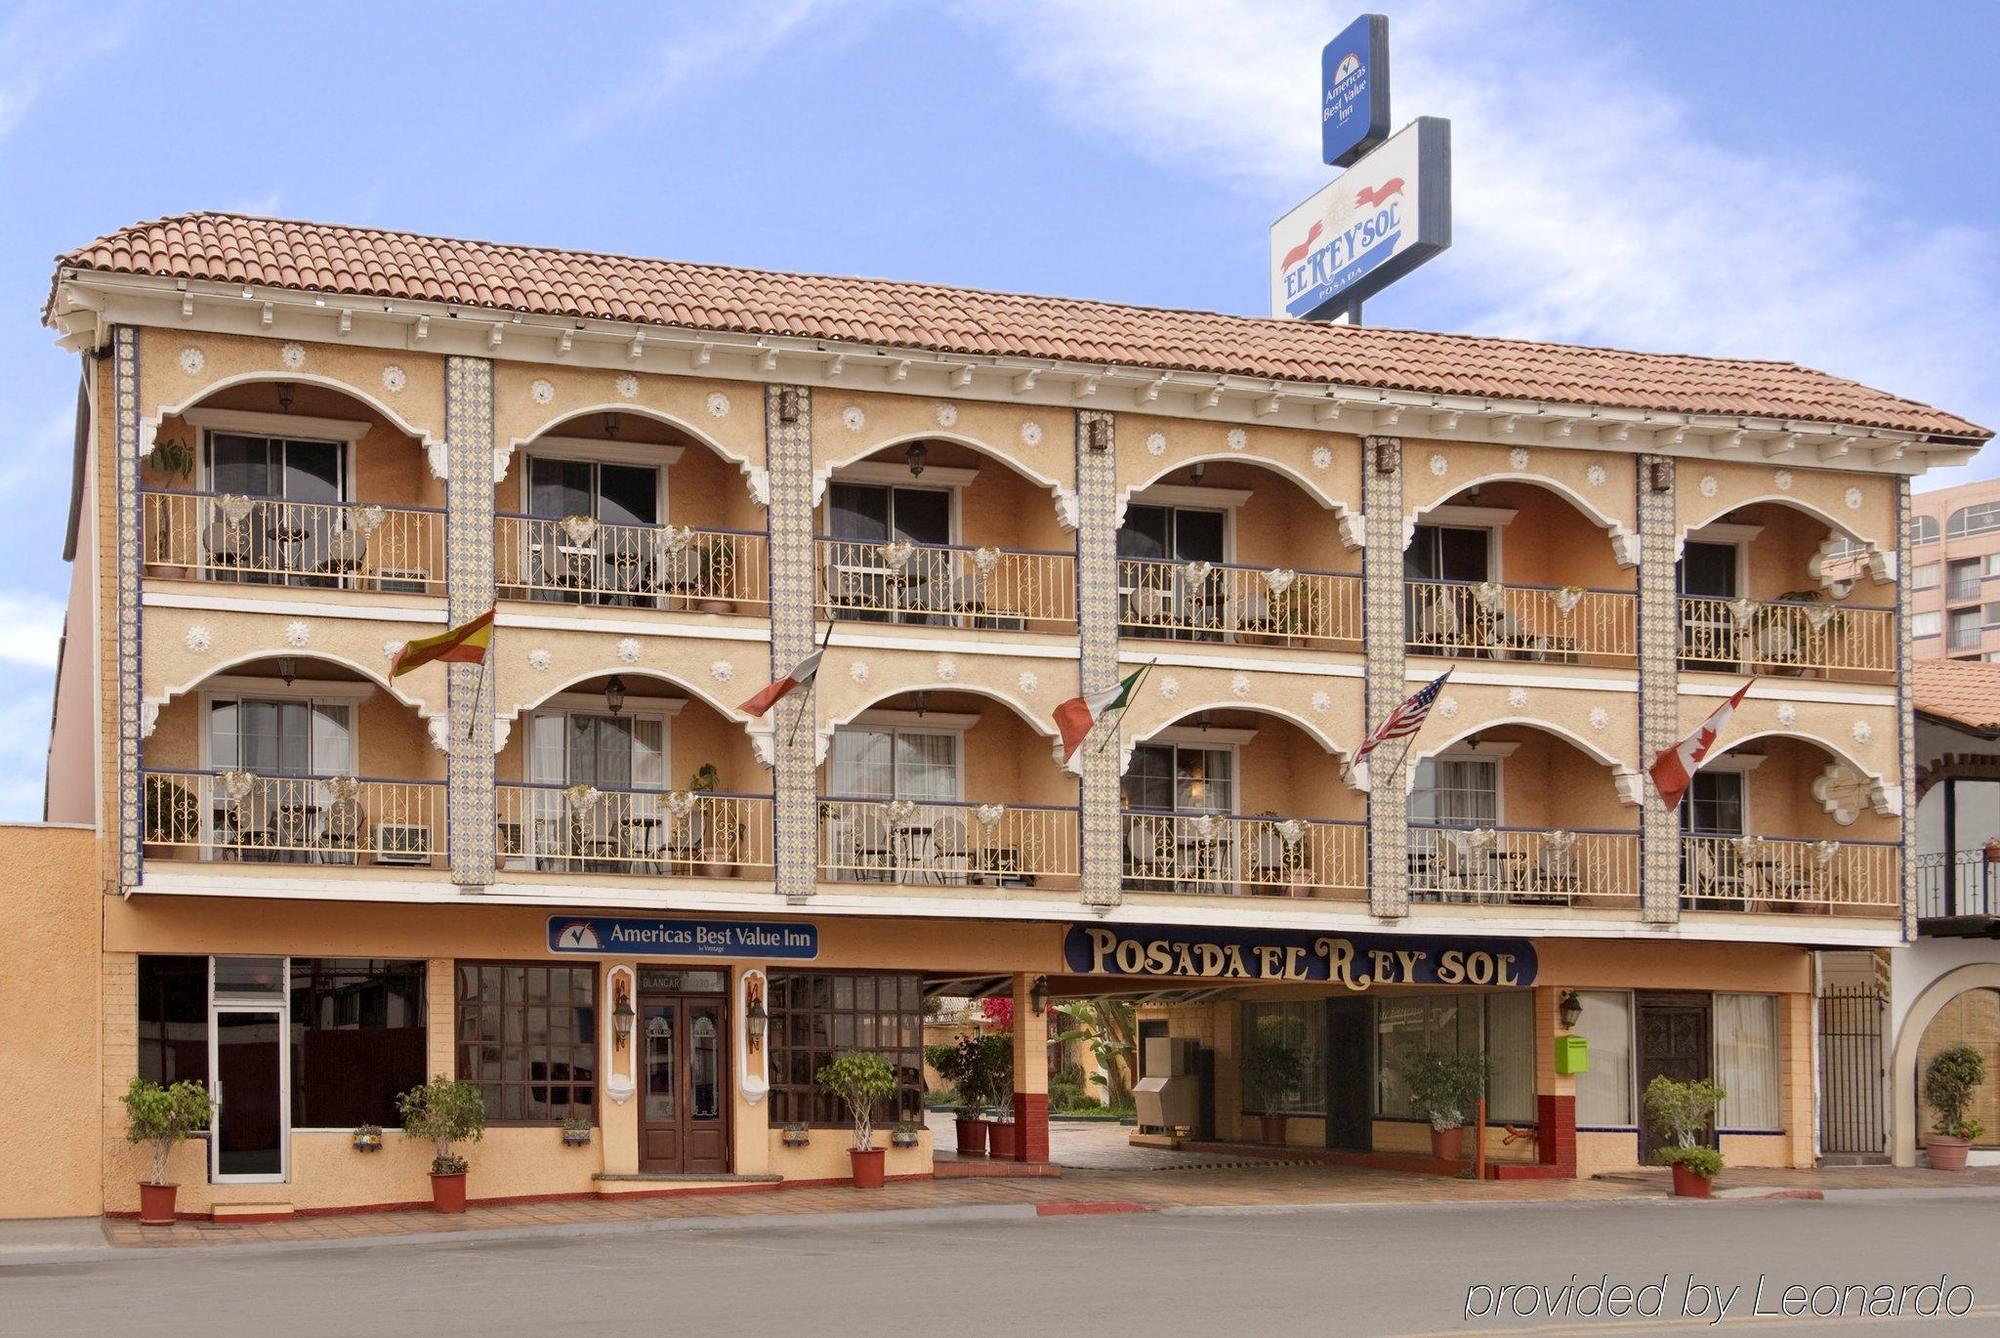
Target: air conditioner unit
<point>401,843</point>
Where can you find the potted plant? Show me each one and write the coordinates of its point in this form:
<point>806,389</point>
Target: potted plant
<point>576,1131</point>
<point>718,566</point>
<point>905,1134</point>
<point>796,1135</point>
<point>1444,1089</point>
<point>174,459</point>
<point>1993,850</point>
<point>1274,1066</point>
<point>963,1066</point>
<point>367,1138</point>
<point>162,1116</point>
<point>997,1057</point>
<point>445,1112</point>
<point>1679,1112</point>
<point>1295,612</point>
<point>721,839</point>
<point>173,817</point>
<point>860,1079</point>
<point>1950,1080</point>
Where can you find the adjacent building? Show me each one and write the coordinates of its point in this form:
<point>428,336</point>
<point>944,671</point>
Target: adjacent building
<point>581,877</point>
<point>1955,553</point>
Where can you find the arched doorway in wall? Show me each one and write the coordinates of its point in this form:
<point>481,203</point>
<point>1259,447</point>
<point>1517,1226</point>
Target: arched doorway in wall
<point>1970,1018</point>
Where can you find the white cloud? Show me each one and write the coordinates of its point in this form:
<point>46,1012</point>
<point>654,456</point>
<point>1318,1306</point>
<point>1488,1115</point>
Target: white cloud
<point>1587,207</point>
<point>30,629</point>
<point>44,43</point>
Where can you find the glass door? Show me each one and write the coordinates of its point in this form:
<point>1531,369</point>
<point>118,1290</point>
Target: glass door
<point>249,1078</point>
<point>684,1124</point>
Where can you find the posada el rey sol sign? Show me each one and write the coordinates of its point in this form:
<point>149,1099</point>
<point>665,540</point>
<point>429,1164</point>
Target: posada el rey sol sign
<point>648,936</point>
<point>1355,961</point>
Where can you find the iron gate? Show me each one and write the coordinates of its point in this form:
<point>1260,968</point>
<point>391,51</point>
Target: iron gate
<point>1851,1096</point>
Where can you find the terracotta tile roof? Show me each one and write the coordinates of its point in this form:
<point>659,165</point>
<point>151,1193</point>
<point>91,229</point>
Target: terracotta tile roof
<point>332,258</point>
<point>1964,692</point>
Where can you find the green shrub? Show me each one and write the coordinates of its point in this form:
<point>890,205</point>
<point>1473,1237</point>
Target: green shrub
<point>1679,1112</point>
<point>1950,1082</point>
<point>859,1079</point>
<point>1444,1088</point>
<point>163,1116</point>
<point>1703,1161</point>
<point>444,1112</point>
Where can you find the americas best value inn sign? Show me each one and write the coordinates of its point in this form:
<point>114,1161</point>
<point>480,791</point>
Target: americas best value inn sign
<point>1355,961</point>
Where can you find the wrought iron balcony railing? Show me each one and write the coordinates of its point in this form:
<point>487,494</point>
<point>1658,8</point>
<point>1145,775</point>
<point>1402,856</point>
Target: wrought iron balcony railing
<point>1771,873</point>
<point>251,818</point>
<point>1229,602</point>
<point>948,585</point>
<point>1485,619</point>
<point>263,540</point>
<point>1798,639</point>
<point>1524,866</point>
<point>579,560</point>
<point>950,843</point>
<point>1231,855</point>
<point>587,829</point>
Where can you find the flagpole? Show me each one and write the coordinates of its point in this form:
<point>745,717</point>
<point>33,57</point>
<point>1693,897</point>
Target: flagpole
<point>478,693</point>
<point>825,641</point>
<point>1109,735</point>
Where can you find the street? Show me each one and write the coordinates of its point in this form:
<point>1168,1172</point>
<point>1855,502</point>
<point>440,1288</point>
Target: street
<point>1371,1270</point>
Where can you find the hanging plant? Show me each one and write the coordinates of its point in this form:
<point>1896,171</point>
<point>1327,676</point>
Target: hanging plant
<point>984,560</point>
<point>580,529</point>
<point>1567,598</point>
<point>896,556</point>
<point>582,798</point>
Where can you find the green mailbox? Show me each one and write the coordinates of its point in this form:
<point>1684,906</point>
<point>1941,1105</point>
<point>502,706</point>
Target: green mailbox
<point>1572,1055</point>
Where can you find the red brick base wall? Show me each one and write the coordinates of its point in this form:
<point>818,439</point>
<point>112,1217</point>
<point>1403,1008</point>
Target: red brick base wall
<point>1556,1142</point>
<point>1031,1126</point>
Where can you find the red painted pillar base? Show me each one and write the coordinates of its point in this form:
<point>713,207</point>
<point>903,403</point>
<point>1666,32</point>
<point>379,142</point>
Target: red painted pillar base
<point>1031,1126</point>
<point>1555,1143</point>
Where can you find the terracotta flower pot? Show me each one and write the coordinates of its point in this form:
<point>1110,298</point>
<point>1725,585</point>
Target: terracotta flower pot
<point>1946,1153</point>
<point>1448,1144</point>
<point>716,606</point>
<point>1002,1136</point>
<point>448,1192</point>
<point>1273,1129</point>
<point>971,1136</point>
<point>1689,1184</point>
<point>868,1167</point>
<point>156,1204</point>
<point>718,868</point>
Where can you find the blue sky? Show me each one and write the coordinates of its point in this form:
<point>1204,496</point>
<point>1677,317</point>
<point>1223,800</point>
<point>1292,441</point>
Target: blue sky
<point>1806,180</point>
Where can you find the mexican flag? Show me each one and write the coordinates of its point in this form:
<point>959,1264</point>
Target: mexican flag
<point>1673,770</point>
<point>460,645</point>
<point>1076,717</point>
<point>802,674</point>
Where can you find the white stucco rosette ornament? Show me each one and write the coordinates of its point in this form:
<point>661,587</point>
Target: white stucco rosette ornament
<point>193,360</point>
<point>628,650</point>
<point>293,356</point>
<point>1028,683</point>
<point>1156,443</point>
<point>1170,688</point>
<point>198,639</point>
<point>721,670</point>
<point>1239,684</point>
<point>1439,464</point>
<point>394,379</point>
<point>1322,457</point>
<point>1031,433</point>
<point>540,659</point>
<point>947,414</point>
<point>1595,476</point>
<point>858,671</point>
<point>1237,438</point>
<point>297,633</point>
<point>947,668</point>
<point>1518,458</point>
<point>718,404</point>
<point>1322,702</point>
<point>1447,707</point>
<point>542,390</point>
<point>852,418</point>
<point>627,386</point>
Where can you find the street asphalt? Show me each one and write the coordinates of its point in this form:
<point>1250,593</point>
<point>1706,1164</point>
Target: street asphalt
<point>1372,1270</point>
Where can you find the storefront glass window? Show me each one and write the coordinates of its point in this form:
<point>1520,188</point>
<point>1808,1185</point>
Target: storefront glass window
<point>173,1019</point>
<point>1503,1023</point>
<point>358,1040</point>
<point>1296,1028</point>
<point>1746,1061</point>
<point>1604,1093</point>
<point>527,1038</point>
<point>1510,1046</point>
<point>817,1014</point>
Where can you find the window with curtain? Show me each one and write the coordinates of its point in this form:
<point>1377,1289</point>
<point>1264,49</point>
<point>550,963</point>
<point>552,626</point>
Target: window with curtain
<point>1604,1094</point>
<point>817,1014</point>
<point>358,1040</point>
<point>863,512</point>
<point>1180,778</point>
<point>527,1039</point>
<point>613,494</point>
<point>1297,1026</point>
<point>295,471</point>
<point>173,1019</point>
<point>894,763</point>
<point>1713,804</point>
<point>288,737</point>
<point>1746,1061</point>
<point>1503,1024</point>
<point>1457,792</point>
<point>611,752</point>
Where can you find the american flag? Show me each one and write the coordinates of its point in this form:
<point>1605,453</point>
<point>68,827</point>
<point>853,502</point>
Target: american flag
<point>1405,720</point>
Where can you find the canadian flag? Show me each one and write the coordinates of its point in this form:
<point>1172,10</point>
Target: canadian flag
<point>1673,770</point>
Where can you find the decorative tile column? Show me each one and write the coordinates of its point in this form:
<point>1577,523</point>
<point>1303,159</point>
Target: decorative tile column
<point>1906,707</point>
<point>1659,685</point>
<point>468,538</point>
<point>127,810</point>
<point>794,721</point>
<point>1097,624</point>
<point>1382,611</point>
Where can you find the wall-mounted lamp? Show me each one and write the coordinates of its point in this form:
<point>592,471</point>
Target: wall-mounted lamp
<point>756,1019</point>
<point>1659,475</point>
<point>788,404</point>
<point>288,669</point>
<point>285,392</point>
<point>1194,475</point>
<point>622,1015</point>
<point>610,424</point>
<point>1569,1010</point>
<point>916,455</point>
<point>1385,457</point>
<point>614,694</point>
<point>1098,434</point>
<point>1038,995</point>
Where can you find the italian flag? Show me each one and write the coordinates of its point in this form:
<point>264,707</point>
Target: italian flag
<point>1673,770</point>
<point>802,674</point>
<point>1076,717</point>
<point>460,645</point>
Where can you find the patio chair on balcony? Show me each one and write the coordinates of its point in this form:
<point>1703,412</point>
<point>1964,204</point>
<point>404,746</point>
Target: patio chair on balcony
<point>679,576</point>
<point>1552,880</point>
<point>250,825</point>
<point>1458,870</point>
<point>1146,606</point>
<point>950,854</point>
<point>344,554</point>
<point>1150,855</point>
<point>1716,879</point>
<point>871,845</point>
<point>568,566</point>
<point>632,572</point>
<point>227,543</point>
<point>340,831</point>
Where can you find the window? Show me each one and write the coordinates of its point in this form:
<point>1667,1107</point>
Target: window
<point>1180,778</point>
<point>1604,1094</point>
<point>609,493</point>
<point>1963,629</point>
<point>1923,529</point>
<point>1708,570</point>
<point>885,763</point>
<point>1925,575</point>
<point>1457,792</point>
<point>1503,1023</point>
<point>1926,624</point>
<point>173,1019</point>
<point>1713,804</point>
<point>1962,579</point>
<point>1448,553</point>
<point>1295,1027</point>
<point>1973,520</point>
<point>296,471</point>
<point>817,1014</point>
<point>288,737</point>
<point>866,513</point>
<point>358,1040</point>
<point>1172,534</point>
<point>611,752</point>
<point>527,1038</point>
<point>1746,1061</point>
<point>1992,564</point>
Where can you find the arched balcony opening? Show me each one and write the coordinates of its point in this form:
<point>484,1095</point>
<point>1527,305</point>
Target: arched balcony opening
<point>1242,803</point>
<point>1781,823</point>
<point>1773,589</point>
<point>293,760</point>
<point>1511,570</point>
<point>291,483</point>
<point>1517,815</point>
<point>934,533</point>
<point>946,789</point>
<point>1230,551</point>
<point>626,510</point>
<point>631,774</point>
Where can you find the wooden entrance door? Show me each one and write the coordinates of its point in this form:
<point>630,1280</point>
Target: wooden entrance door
<point>1348,1075</point>
<point>685,1055</point>
<point>1675,1040</point>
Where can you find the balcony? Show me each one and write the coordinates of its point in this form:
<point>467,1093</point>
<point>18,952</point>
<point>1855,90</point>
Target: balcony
<point>1524,866</point>
<point>948,585</point>
<point>1555,624</point>
<point>1237,604</point>
<point>1787,637</point>
<point>1769,873</point>
<point>209,536</point>
<point>947,843</point>
<point>240,816</point>
<point>579,560</point>
<point>587,829</point>
<point>1216,854</point>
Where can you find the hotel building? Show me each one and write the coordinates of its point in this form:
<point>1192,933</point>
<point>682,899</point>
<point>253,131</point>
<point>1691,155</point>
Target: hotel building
<point>582,879</point>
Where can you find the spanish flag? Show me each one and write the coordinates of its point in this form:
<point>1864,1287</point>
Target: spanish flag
<point>460,645</point>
